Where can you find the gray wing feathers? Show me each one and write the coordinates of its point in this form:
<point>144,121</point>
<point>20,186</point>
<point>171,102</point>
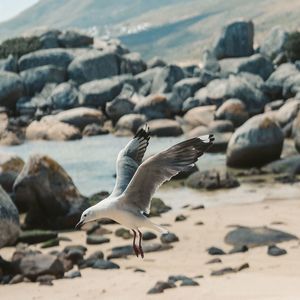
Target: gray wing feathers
<point>129,160</point>
<point>162,167</point>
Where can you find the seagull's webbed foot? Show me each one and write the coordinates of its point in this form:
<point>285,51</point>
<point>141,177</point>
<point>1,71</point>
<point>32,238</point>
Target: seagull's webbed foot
<point>140,244</point>
<point>135,248</point>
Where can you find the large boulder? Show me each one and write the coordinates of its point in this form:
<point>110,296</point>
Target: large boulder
<point>119,107</point>
<point>182,90</point>
<point>10,167</point>
<point>80,117</point>
<point>233,110</point>
<point>64,96</point>
<point>255,64</point>
<point>154,106</point>
<point>9,220</point>
<point>165,79</point>
<point>74,39</point>
<point>93,65</point>
<point>132,63</point>
<point>235,40</point>
<point>98,92</point>
<point>131,122</point>
<point>257,142</point>
<point>274,85</point>
<point>57,57</point>
<point>11,89</point>
<point>48,128</point>
<point>35,79</point>
<point>9,64</point>
<point>273,44</point>
<point>219,90</point>
<point>202,115</point>
<point>52,199</point>
<point>165,127</point>
<point>35,265</point>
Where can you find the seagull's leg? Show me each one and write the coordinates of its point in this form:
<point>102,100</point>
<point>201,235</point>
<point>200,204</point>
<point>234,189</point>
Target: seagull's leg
<point>140,244</point>
<point>134,245</point>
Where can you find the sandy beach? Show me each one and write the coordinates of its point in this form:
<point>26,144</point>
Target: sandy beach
<point>267,277</point>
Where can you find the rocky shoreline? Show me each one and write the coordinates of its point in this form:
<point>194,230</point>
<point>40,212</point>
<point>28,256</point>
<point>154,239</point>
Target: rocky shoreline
<point>63,85</point>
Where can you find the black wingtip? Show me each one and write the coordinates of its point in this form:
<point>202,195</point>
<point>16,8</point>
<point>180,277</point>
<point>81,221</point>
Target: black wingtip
<point>144,133</point>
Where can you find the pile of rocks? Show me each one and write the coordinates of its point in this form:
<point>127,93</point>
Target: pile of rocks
<point>28,265</point>
<point>75,85</point>
<point>42,190</point>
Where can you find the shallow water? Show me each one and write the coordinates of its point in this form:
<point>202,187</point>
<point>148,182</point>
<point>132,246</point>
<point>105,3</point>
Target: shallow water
<point>91,161</point>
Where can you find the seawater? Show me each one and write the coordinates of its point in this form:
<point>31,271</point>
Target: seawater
<point>91,161</point>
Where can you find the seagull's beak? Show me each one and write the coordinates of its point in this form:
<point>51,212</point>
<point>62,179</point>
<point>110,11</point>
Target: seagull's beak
<point>79,224</point>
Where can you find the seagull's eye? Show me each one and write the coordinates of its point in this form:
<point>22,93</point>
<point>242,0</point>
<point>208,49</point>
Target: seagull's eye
<point>84,215</point>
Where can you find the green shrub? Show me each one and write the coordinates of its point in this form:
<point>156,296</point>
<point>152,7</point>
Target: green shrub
<point>19,46</point>
<point>292,46</point>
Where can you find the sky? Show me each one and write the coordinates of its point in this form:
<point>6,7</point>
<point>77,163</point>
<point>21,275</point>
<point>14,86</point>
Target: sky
<point>11,8</point>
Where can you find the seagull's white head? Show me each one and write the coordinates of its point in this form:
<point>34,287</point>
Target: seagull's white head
<point>88,215</point>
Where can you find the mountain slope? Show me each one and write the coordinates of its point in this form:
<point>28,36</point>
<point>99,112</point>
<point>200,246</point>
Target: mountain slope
<point>173,29</point>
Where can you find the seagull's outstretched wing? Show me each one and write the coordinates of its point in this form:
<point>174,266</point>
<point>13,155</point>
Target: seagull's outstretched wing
<point>129,160</point>
<point>162,167</point>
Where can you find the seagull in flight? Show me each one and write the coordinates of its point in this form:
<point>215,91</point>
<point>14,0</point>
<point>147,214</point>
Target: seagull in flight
<point>137,181</point>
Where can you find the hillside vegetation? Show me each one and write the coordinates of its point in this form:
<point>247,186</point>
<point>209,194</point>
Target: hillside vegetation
<point>173,29</point>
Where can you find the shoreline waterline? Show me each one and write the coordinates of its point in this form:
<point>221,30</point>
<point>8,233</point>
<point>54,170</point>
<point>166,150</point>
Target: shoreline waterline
<point>91,164</point>
<point>91,161</point>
